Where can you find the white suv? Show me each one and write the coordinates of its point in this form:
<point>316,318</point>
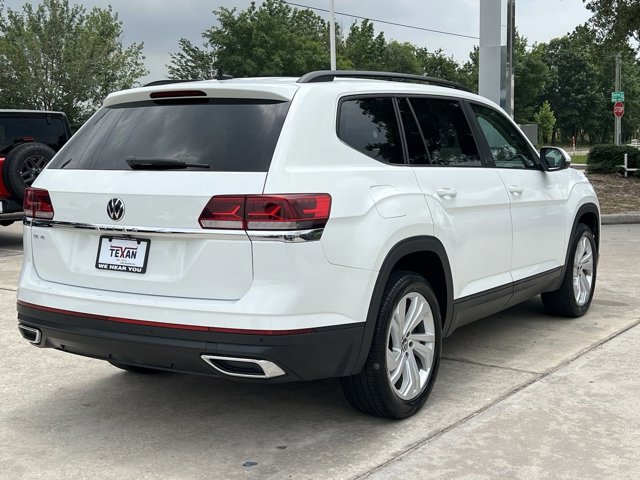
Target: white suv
<point>335,225</point>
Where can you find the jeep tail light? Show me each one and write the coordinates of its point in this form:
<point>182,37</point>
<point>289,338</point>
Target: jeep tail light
<point>37,203</point>
<point>267,212</point>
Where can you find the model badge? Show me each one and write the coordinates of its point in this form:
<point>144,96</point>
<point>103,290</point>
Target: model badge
<point>115,209</point>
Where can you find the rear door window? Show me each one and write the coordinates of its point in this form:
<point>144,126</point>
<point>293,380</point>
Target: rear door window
<point>370,125</point>
<point>446,132</point>
<point>229,135</point>
<point>42,128</point>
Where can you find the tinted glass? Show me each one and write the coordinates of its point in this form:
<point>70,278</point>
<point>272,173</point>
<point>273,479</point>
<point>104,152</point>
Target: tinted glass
<point>370,126</point>
<point>228,135</point>
<point>446,132</point>
<point>508,147</point>
<point>43,128</point>
<point>415,142</point>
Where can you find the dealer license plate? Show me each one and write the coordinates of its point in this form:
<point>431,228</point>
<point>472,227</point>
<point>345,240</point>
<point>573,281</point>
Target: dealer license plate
<point>123,254</point>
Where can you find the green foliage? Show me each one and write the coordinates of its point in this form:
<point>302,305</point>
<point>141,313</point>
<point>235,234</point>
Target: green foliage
<point>615,20</point>
<point>61,57</point>
<point>574,73</point>
<point>531,78</point>
<point>270,40</point>
<point>401,57</point>
<point>546,120</point>
<point>365,50</point>
<point>192,62</point>
<point>274,39</point>
<point>573,89</point>
<point>468,73</point>
<point>608,158</point>
<point>437,64</point>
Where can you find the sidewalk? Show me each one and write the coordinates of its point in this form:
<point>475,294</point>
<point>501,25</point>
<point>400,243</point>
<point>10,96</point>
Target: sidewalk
<point>580,422</point>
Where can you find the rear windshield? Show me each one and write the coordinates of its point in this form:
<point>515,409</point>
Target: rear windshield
<point>42,128</point>
<point>228,135</point>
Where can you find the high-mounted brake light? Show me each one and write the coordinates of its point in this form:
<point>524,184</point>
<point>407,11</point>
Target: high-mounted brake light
<point>178,94</point>
<point>37,204</point>
<point>267,212</point>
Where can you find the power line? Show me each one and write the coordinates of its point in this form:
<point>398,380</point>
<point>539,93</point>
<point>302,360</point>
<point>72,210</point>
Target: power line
<point>385,21</point>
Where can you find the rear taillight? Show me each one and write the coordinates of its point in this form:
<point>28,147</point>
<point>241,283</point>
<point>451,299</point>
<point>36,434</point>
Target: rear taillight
<point>223,212</point>
<point>267,212</point>
<point>37,204</point>
<point>4,191</point>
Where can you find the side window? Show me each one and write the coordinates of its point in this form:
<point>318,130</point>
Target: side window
<point>416,145</point>
<point>370,126</point>
<point>446,132</point>
<point>508,147</point>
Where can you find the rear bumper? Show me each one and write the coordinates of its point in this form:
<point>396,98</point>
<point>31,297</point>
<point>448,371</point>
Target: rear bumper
<point>10,210</point>
<point>325,352</point>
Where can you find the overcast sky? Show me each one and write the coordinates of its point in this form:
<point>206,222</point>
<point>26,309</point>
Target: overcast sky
<point>161,23</point>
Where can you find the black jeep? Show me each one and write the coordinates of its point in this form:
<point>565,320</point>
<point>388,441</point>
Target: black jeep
<point>28,140</point>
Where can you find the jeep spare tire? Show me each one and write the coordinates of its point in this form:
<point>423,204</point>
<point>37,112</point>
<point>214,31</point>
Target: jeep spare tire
<point>23,164</point>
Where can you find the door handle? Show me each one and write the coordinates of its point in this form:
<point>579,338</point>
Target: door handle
<point>446,192</point>
<point>516,189</point>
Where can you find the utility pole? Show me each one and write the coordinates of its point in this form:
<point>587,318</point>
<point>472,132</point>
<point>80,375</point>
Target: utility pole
<point>617,131</point>
<point>332,35</point>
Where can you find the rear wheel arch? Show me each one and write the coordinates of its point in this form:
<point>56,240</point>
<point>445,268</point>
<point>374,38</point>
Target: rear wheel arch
<point>424,255</point>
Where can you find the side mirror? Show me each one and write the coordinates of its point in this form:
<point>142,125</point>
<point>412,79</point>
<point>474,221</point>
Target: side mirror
<point>554,158</point>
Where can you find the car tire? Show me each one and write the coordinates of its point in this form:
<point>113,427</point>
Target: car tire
<point>23,164</point>
<point>404,357</point>
<point>574,296</point>
<point>135,368</point>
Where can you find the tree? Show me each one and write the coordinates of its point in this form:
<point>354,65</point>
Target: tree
<point>530,79</point>
<point>400,57</point>
<point>546,120</point>
<point>468,73</point>
<point>437,64</point>
<point>191,62</point>
<point>272,39</point>
<point>363,49</point>
<point>58,57</point>
<point>615,20</point>
<point>573,89</point>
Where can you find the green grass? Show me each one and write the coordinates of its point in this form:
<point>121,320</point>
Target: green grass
<point>581,159</point>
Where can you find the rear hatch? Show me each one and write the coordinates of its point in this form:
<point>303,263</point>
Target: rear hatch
<point>128,189</point>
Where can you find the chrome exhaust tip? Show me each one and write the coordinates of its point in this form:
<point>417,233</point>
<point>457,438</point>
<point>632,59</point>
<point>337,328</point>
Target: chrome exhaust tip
<point>30,334</point>
<point>243,367</point>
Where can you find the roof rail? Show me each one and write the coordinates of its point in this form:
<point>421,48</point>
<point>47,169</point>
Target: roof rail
<point>330,75</point>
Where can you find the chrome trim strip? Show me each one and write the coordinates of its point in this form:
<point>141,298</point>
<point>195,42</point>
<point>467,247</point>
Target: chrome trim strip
<point>37,332</point>
<point>270,369</point>
<point>299,236</point>
<point>127,230</point>
<point>296,236</point>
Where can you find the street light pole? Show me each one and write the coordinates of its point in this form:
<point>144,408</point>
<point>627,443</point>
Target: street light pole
<point>332,34</point>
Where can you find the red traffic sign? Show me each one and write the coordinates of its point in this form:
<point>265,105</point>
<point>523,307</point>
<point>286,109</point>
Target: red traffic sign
<point>618,109</point>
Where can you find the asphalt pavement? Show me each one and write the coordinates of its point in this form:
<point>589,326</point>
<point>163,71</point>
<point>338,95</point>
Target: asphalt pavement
<point>519,395</point>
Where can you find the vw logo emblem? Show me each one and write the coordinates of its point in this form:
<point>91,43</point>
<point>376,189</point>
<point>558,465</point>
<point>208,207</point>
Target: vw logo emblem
<point>115,209</point>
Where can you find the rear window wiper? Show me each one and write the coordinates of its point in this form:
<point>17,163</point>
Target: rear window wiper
<point>137,163</point>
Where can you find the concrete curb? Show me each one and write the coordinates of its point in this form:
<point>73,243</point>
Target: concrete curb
<point>620,219</point>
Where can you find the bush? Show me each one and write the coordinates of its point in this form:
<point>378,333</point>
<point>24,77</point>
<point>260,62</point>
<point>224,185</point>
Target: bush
<point>608,158</point>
